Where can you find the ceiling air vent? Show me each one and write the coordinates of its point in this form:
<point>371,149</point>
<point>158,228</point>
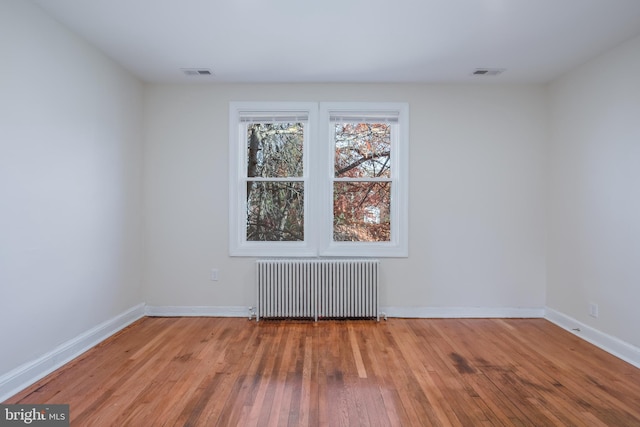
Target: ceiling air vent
<point>488,71</point>
<point>197,71</point>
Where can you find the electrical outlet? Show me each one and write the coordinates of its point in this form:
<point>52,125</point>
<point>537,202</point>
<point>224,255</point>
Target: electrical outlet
<point>593,310</point>
<point>214,274</point>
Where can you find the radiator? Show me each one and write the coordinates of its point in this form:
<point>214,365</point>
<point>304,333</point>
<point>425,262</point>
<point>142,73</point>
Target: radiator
<point>317,289</point>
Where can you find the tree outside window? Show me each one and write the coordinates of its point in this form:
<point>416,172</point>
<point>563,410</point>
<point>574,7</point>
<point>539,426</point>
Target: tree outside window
<point>275,209</point>
<point>361,188</point>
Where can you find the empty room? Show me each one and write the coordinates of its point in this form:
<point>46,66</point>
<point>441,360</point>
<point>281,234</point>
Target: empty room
<point>281,212</point>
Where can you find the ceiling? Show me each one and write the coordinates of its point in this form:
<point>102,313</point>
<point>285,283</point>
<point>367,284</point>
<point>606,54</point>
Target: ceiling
<point>349,40</point>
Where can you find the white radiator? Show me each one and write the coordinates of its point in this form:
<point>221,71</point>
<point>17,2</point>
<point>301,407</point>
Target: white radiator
<point>317,289</point>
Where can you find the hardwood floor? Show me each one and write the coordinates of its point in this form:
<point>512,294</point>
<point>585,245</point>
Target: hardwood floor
<point>402,372</point>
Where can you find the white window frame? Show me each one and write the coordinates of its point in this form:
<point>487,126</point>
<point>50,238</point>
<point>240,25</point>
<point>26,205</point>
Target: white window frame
<point>238,244</point>
<point>318,178</point>
<point>368,111</point>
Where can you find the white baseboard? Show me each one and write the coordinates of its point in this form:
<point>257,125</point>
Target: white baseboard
<point>462,312</point>
<point>23,376</point>
<point>197,311</point>
<point>415,312</point>
<point>615,346</point>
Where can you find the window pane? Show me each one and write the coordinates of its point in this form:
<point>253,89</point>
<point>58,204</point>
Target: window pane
<point>361,211</point>
<point>274,150</point>
<point>275,211</point>
<point>362,150</point>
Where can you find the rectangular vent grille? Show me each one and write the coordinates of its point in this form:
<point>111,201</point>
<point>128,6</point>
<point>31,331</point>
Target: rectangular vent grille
<point>197,71</point>
<point>488,71</point>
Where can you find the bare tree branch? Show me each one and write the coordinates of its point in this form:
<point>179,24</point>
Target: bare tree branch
<point>361,160</point>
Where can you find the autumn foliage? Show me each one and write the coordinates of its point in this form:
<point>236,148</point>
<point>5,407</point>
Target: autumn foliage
<point>361,185</point>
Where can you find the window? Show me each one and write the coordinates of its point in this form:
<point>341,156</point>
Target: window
<point>327,179</point>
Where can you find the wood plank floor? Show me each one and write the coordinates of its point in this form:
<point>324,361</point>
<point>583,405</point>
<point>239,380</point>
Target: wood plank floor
<point>402,372</point>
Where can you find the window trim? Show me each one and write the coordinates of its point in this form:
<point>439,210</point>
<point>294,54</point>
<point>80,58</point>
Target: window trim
<point>318,171</point>
<point>398,246</point>
<point>238,244</point>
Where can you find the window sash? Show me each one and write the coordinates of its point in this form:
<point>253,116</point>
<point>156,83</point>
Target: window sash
<point>241,115</point>
<point>372,179</point>
<point>395,114</point>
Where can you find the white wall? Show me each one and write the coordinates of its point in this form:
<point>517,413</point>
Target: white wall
<point>70,186</point>
<point>594,194</point>
<point>477,216</point>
